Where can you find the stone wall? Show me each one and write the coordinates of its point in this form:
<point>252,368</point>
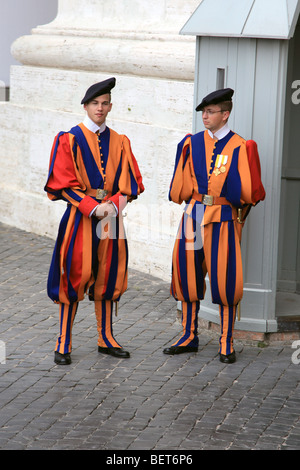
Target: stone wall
<point>152,103</point>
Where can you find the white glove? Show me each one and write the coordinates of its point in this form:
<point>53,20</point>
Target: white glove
<point>106,209</point>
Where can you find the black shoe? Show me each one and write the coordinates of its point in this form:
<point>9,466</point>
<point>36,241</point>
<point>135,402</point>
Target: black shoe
<point>62,359</point>
<point>229,359</point>
<point>116,352</point>
<point>180,349</point>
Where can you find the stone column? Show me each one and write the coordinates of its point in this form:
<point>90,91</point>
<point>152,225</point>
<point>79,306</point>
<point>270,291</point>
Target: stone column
<point>136,41</point>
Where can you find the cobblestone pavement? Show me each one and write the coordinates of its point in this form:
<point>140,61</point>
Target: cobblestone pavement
<point>148,402</point>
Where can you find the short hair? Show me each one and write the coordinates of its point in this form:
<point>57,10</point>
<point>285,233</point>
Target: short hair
<point>226,105</point>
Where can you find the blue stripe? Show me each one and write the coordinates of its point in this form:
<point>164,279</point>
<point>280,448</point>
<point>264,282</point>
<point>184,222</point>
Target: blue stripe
<point>182,261</point>
<point>198,260</point>
<point>214,263</point>
<point>233,183</point>
<point>93,172</point>
<point>199,162</point>
<point>104,139</point>
<point>54,271</point>
<point>113,270</point>
<point>231,268</point>
<point>115,187</point>
<point>133,183</point>
<point>74,195</point>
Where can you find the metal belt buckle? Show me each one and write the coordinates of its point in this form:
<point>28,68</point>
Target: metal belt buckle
<point>101,193</point>
<point>207,200</point>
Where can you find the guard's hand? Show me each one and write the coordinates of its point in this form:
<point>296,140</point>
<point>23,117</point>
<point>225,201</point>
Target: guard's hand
<point>106,209</point>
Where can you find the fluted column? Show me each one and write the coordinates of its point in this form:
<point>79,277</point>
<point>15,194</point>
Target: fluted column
<point>106,36</point>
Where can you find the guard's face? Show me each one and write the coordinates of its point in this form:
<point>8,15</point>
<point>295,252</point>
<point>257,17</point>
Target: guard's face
<point>98,108</point>
<point>213,118</point>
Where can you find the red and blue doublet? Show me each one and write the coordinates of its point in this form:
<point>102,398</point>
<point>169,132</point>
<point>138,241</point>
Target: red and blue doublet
<point>88,258</point>
<point>208,239</point>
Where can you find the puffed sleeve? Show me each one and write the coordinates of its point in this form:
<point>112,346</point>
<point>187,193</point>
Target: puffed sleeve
<point>181,187</point>
<point>258,191</point>
<point>64,181</point>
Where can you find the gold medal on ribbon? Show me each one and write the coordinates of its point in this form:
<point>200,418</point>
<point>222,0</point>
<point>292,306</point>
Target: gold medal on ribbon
<point>220,167</point>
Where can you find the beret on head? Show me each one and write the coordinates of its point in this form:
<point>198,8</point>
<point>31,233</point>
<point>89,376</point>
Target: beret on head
<point>98,89</point>
<point>225,94</point>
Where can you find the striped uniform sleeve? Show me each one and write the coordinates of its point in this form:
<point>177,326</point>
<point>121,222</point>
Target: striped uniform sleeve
<point>181,186</point>
<point>252,188</point>
<point>258,191</point>
<point>64,181</point>
<point>130,181</point>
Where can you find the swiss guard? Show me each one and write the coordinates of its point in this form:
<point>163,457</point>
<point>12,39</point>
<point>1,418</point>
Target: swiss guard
<point>217,173</point>
<point>92,168</point>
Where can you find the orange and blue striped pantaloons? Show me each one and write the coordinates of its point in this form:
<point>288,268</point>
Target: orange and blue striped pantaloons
<point>189,324</point>
<point>104,311</point>
<point>67,313</point>
<point>89,256</point>
<point>217,254</point>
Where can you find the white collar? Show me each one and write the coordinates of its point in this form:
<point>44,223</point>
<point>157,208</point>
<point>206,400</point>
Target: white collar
<point>92,126</point>
<point>221,133</point>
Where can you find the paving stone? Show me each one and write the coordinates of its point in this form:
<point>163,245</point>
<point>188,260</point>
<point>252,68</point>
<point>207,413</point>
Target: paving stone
<point>150,402</point>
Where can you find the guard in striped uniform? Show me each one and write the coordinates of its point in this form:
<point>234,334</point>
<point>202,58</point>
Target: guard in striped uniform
<point>93,169</point>
<point>217,173</point>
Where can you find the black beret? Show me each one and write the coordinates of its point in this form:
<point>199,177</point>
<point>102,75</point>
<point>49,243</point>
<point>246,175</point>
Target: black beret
<point>225,94</point>
<point>98,89</point>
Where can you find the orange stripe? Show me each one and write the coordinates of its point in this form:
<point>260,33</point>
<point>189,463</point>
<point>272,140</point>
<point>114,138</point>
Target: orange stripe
<point>226,330</point>
<point>190,258</point>
<point>104,324</point>
<point>122,276</point>
<point>239,267</point>
<point>86,260</point>
<point>207,241</point>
